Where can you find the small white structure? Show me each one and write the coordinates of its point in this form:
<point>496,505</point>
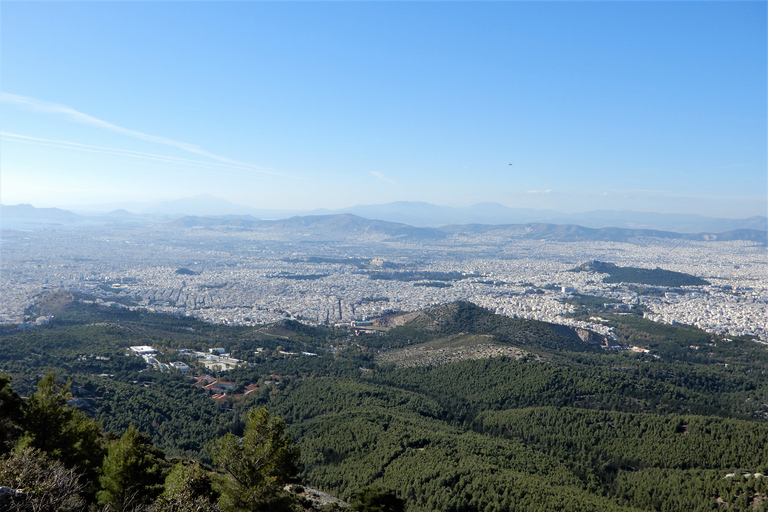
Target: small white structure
<point>143,350</point>
<point>181,366</point>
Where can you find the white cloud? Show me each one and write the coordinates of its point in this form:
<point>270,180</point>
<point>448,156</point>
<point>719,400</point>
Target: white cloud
<point>539,192</point>
<point>383,177</point>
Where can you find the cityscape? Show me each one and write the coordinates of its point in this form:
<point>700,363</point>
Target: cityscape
<point>258,276</point>
<point>384,256</point>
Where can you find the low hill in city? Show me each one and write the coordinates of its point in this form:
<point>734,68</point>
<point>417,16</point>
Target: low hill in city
<point>467,318</point>
<point>648,276</point>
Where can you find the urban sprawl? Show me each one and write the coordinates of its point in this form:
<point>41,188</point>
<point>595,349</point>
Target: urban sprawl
<point>252,277</point>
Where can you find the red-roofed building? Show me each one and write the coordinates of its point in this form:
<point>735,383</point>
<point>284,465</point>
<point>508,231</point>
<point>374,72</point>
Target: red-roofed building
<point>219,387</point>
<point>203,381</point>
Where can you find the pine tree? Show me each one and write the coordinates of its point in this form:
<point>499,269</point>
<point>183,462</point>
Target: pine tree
<point>376,499</point>
<point>131,473</point>
<point>11,414</point>
<point>257,467</point>
<point>62,432</point>
<point>188,488</point>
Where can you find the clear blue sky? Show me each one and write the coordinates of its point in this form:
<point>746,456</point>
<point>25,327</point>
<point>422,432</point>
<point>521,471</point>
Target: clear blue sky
<point>648,106</point>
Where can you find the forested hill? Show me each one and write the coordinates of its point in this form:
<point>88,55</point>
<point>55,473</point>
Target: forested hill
<point>467,318</point>
<point>560,425</point>
<point>653,277</point>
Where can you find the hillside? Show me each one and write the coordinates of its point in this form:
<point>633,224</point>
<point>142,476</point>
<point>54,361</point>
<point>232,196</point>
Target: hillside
<point>467,318</point>
<point>652,277</point>
<point>454,408</point>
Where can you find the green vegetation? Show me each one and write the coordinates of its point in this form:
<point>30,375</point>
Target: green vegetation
<point>421,276</point>
<point>300,277</point>
<point>256,467</point>
<point>374,299</point>
<point>373,499</point>
<point>589,301</point>
<point>212,286</point>
<point>653,277</point>
<point>466,318</point>
<point>568,426</point>
<point>356,262</point>
<point>75,466</point>
<point>131,472</point>
<point>434,284</point>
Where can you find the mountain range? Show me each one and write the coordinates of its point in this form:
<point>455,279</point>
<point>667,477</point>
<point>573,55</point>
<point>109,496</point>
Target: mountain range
<point>345,225</point>
<point>403,219</point>
<point>421,214</point>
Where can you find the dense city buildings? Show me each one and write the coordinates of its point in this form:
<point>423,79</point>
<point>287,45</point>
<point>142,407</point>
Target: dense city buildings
<point>255,276</point>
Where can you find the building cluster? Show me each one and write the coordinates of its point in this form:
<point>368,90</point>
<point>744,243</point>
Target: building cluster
<point>215,359</point>
<point>252,278</point>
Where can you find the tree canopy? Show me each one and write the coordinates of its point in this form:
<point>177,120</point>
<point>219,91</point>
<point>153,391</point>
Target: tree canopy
<point>257,466</point>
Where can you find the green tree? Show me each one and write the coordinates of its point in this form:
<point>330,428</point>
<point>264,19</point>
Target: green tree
<point>11,414</point>
<point>61,431</point>
<point>257,467</point>
<point>188,488</point>
<point>131,473</point>
<point>377,499</point>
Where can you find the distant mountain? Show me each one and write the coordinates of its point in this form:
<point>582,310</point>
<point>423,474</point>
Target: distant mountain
<point>319,225</point>
<point>575,233</point>
<point>355,224</point>
<point>26,216</point>
<point>29,212</point>
<point>120,213</point>
<point>422,214</point>
<point>426,221</point>
<point>681,223</point>
<point>204,205</point>
<point>344,225</point>
<point>430,215</point>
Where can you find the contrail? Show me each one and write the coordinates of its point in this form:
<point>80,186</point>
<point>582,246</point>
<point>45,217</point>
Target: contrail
<point>127,152</point>
<point>79,117</point>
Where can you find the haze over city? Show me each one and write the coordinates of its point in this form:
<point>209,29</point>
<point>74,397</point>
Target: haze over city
<point>572,106</point>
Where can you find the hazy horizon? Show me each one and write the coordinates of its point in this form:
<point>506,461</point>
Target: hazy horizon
<point>648,107</point>
<point>139,207</point>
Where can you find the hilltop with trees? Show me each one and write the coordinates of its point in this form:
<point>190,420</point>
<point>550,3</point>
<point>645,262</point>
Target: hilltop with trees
<point>554,422</point>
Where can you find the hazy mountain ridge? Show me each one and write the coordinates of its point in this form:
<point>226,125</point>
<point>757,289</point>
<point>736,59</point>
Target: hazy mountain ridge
<point>575,233</point>
<point>423,214</point>
<point>320,225</point>
<point>351,224</point>
<point>752,229</point>
<point>429,215</point>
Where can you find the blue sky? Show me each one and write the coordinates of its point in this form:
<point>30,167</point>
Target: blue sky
<point>647,106</point>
